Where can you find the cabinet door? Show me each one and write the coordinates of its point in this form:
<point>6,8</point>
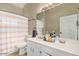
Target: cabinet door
<point>29,48</point>
<point>32,49</point>
<point>45,50</point>
<point>36,49</point>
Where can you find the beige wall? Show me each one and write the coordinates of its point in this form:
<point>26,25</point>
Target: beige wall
<point>52,16</point>
<point>10,8</point>
<point>30,10</point>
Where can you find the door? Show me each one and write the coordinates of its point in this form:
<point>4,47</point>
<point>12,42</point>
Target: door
<point>68,27</point>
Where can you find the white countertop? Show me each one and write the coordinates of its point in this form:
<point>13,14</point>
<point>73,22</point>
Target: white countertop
<point>71,46</point>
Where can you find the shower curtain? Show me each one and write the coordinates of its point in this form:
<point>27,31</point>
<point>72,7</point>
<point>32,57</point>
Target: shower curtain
<point>13,29</point>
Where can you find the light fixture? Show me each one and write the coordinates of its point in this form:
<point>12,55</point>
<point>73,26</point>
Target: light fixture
<point>52,5</point>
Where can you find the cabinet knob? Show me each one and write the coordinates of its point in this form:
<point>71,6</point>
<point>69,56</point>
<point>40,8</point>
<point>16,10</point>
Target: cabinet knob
<point>40,52</point>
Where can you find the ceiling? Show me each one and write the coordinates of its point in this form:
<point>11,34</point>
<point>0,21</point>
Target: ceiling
<point>31,9</point>
<point>20,5</point>
<point>40,5</point>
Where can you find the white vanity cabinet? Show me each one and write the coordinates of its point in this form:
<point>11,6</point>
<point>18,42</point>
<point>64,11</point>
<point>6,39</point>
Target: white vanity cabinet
<point>36,48</point>
<point>32,49</point>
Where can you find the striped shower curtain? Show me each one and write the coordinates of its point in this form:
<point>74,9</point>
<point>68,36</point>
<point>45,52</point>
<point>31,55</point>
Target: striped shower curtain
<point>13,29</point>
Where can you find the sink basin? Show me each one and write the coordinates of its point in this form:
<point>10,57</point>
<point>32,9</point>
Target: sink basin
<point>59,43</point>
<point>62,41</point>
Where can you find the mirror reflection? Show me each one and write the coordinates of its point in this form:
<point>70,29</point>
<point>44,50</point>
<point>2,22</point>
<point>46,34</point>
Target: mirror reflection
<point>63,20</point>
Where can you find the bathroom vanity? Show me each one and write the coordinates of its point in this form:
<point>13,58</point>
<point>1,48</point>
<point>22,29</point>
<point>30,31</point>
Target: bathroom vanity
<point>38,47</point>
